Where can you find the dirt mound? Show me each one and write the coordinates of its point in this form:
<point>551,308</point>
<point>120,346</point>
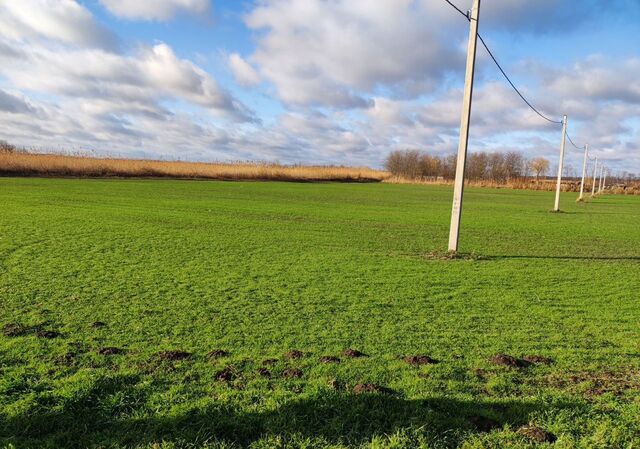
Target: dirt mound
<point>15,330</point>
<point>329,359</point>
<point>334,384</point>
<point>294,354</point>
<point>353,353</point>
<point>538,359</point>
<point>263,372</point>
<point>98,324</point>
<point>537,434</point>
<point>508,361</point>
<point>418,360</point>
<point>226,375</point>
<point>371,388</point>
<point>48,334</point>
<point>217,354</point>
<point>292,373</point>
<point>173,355</point>
<point>484,424</point>
<point>110,351</point>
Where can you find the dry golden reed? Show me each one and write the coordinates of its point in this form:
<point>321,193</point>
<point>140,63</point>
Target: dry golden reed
<point>33,164</point>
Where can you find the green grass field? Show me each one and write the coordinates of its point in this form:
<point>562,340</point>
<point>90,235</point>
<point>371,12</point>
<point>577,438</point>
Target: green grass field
<point>261,269</point>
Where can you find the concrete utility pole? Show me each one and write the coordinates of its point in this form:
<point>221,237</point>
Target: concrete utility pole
<point>604,181</point>
<point>463,144</point>
<point>601,175</point>
<point>556,208</point>
<point>595,175</point>
<point>584,172</point>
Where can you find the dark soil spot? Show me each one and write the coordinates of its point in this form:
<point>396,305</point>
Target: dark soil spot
<point>508,361</point>
<point>263,372</point>
<point>329,359</point>
<point>294,354</point>
<point>15,330</point>
<point>353,353</point>
<point>48,334</point>
<point>538,359</point>
<point>536,434</point>
<point>269,362</point>
<point>334,384</point>
<point>68,359</point>
<point>218,354</point>
<point>110,351</point>
<point>484,424</point>
<point>480,373</point>
<point>371,388</point>
<point>226,375</point>
<point>418,360</point>
<point>173,355</point>
<point>599,383</point>
<point>292,373</point>
<point>98,325</point>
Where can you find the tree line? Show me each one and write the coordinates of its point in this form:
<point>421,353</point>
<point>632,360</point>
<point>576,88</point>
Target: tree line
<point>483,166</point>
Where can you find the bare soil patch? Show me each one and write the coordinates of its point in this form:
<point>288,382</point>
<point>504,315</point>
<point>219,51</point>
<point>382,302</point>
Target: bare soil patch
<point>292,373</point>
<point>228,374</point>
<point>419,360</point>
<point>353,353</point>
<point>537,434</point>
<point>218,354</point>
<point>110,350</point>
<point>294,354</point>
<point>508,361</point>
<point>484,424</point>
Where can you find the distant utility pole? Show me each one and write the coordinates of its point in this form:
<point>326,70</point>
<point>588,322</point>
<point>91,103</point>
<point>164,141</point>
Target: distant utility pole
<point>584,171</point>
<point>595,175</point>
<point>463,144</point>
<point>556,208</point>
<point>601,175</point>
<point>604,181</point>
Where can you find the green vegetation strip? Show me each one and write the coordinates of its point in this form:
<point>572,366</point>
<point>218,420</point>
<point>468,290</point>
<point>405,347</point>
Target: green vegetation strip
<point>174,314</point>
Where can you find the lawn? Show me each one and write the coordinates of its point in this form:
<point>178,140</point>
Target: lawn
<point>167,314</point>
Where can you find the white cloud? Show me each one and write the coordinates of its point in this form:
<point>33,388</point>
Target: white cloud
<point>65,21</point>
<point>337,53</point>
<point>243,72</point>
<point>160,10</point>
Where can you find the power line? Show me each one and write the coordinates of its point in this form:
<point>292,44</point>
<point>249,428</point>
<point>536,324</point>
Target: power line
<point>514,86</point>
<point>505,73</point>
<point>457,9</point>
<point>576,146</point>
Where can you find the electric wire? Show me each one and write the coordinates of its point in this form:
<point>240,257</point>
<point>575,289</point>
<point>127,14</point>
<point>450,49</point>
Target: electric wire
<point>495,60</point>
<point>576,146</point>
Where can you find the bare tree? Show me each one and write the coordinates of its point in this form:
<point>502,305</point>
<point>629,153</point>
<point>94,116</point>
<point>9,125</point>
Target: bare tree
<point>539,166</point>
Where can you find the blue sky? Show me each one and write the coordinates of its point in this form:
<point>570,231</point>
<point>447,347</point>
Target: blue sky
<point>315,81</point>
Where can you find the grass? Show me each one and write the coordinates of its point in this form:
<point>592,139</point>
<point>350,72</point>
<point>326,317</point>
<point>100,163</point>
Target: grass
<point>22,163</point>
<point>260,269</point>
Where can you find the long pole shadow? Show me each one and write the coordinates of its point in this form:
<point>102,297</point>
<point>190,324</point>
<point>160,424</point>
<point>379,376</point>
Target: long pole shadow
<point>95,420</point>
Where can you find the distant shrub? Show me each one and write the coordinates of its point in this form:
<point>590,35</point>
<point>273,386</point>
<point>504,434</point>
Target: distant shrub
<point>6,147</point>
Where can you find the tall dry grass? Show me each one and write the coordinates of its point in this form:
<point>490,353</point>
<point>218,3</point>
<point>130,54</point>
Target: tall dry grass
<point>548,185</point>
<point>30,164</point>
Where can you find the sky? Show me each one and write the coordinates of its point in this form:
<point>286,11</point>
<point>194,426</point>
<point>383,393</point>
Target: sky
<point>317,81</point>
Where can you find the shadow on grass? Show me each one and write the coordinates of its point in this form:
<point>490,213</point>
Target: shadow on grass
<point>603,258</point>
<point>114,413</point>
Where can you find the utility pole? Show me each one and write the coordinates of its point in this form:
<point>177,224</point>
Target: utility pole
<point>604,181</point>
<point>556,208</point>
<point>584,171</point>
<point>463,144</point>
<point>601,175</point>
<point>595,174</point>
